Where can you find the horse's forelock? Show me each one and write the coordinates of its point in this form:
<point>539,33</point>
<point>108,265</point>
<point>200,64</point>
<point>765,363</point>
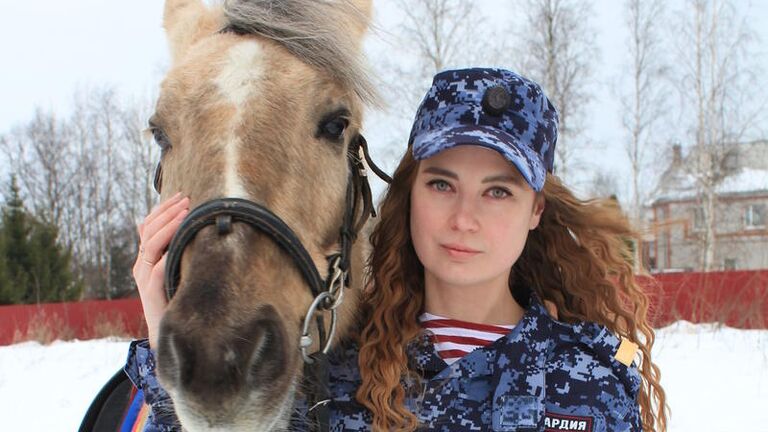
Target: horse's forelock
<point>311,31</point>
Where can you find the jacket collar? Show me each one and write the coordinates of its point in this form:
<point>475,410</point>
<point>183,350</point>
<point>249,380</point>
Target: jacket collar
<point>526,345</point>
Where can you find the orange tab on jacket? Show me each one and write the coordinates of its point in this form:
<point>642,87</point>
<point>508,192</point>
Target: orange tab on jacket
<point>626,352</point>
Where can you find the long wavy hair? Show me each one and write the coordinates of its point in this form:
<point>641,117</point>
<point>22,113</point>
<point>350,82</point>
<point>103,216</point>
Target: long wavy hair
<point>579,258</point>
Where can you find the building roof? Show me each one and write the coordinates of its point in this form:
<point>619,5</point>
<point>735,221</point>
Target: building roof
<point>748,176</point>
<point>746,181</point>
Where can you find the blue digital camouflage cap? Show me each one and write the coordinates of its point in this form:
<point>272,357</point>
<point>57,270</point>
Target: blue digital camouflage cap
<point>493,108</point>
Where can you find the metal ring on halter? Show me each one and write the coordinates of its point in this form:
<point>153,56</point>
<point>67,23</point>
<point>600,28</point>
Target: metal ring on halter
<point>306,340</point>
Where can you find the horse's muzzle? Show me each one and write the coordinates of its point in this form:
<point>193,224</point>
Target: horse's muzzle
<point>222,365</point>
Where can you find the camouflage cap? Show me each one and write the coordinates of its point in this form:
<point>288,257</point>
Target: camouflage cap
<point>493,108</point>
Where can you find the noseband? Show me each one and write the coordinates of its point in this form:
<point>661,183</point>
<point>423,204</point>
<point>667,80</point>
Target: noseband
<point>328,294</point>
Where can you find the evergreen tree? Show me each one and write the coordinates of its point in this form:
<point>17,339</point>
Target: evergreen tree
<point>16,252</point>
<point>6,289</point>
<point>50,274</point>
<point>36,267</point>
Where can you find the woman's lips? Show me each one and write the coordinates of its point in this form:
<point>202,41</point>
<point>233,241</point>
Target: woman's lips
<point>459,251</point>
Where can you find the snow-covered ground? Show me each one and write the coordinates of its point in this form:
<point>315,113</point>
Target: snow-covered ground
<point>716,379</point>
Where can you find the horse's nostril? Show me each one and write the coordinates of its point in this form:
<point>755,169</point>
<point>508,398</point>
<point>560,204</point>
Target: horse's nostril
<point>177,357</point>
<point>267,359</point>
<point>184,357</point>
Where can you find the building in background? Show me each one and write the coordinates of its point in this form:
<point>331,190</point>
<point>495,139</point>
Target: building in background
<point>675,215</point>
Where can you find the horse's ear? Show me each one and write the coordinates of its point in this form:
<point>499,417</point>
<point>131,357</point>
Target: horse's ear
<point>365,8</point>
<point>186,22</point>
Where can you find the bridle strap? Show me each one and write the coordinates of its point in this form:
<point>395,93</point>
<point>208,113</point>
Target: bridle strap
<point>358,192</point>
<point>240,210</point>
<point>378,171</point>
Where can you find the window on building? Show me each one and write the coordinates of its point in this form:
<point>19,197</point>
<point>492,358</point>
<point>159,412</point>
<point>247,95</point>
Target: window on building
<point>754,216</point>
<point>649,255</point>
<point>729,264</point>
<point>698,218</point>
<point>731,161</point>
<point>662,258</point>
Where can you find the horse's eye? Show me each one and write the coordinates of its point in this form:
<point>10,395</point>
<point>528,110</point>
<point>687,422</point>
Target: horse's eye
<point>333,129</point>
<point>161,139</point>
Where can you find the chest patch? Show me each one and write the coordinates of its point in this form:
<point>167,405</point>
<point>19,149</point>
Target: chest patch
<point>566,423</point>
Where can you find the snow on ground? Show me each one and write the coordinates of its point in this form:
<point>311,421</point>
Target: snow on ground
<point>49,388</point>
<point>716,379</point>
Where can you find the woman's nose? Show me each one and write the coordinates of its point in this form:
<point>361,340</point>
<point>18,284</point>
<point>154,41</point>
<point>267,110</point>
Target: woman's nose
<point>464,217</point>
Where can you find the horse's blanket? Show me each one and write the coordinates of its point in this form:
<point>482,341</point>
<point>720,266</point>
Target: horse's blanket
<point>543,376</point>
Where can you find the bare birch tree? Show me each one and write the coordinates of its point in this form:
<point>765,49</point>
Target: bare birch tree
<point>557,51</point>
<point>104,115</point>
<point>718,99</point>
<point>116,189</point>
<point>433,35</point>
<point>644,100</point>
<point>140,156</point>
<point>443,33</point>
<point>40,153</point>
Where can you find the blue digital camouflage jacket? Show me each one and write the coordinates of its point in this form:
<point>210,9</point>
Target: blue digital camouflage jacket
<point>544,375</point>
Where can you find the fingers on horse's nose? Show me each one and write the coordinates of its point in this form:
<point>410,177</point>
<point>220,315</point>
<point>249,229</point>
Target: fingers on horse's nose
<point>224,362</point>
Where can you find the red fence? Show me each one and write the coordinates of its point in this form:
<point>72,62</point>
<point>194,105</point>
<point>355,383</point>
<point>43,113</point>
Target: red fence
<point>736,298</point>
<point>81,320</point>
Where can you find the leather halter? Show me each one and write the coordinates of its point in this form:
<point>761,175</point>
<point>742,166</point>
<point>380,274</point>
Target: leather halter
<point>223,212</point>
<point>328,294</point>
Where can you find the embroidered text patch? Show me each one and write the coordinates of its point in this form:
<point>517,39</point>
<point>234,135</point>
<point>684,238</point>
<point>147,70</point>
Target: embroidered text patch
<point>566,423</point>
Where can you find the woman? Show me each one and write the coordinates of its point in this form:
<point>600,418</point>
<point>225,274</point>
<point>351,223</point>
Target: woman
<point>475,236</point>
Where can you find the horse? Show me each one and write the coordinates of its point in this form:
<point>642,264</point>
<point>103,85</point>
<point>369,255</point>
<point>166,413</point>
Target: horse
<point>259,123</point>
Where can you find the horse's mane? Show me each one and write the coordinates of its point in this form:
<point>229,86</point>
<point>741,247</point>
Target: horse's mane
<point>318,32</point>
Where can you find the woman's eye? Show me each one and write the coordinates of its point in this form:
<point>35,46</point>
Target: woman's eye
<point>334,129</point>
<point>499,193</point>
<point>440,185</point>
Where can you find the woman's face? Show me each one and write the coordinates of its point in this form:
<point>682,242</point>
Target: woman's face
<point>471,212</point>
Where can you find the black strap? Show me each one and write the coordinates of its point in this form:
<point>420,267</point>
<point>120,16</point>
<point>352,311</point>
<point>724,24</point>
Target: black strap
<point>316,378</point>
<point>254,215</point>
<point>382,175</point>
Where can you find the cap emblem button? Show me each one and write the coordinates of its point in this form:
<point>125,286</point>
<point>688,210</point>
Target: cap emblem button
<point>496,100</point>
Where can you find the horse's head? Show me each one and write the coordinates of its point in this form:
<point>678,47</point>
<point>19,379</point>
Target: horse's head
<point>262,102</point>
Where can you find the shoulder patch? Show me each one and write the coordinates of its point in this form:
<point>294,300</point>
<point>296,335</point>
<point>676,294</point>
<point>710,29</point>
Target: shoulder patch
<point>567,423</point>
<point>626,352</point>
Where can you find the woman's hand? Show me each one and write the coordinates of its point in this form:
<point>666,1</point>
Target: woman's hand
<point>155,234</point>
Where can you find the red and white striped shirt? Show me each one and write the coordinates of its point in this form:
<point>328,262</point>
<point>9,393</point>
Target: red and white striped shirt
<point>454,339</point>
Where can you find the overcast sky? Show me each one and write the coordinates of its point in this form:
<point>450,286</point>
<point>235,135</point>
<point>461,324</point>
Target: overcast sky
<point>51,48</point>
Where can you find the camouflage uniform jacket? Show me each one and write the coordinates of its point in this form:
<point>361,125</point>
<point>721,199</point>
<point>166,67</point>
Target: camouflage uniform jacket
<point>543,376</point>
